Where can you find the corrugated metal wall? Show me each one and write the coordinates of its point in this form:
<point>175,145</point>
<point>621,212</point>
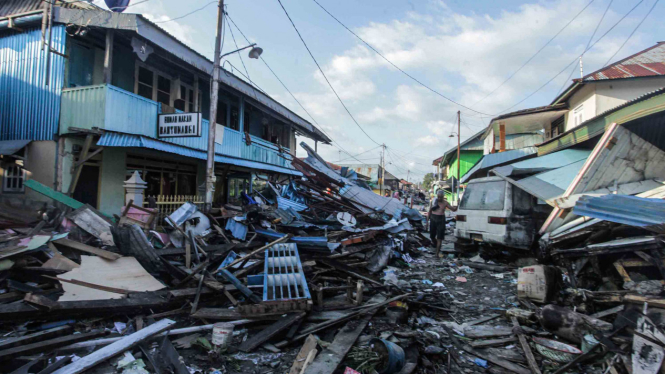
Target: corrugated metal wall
<point>28,108</point>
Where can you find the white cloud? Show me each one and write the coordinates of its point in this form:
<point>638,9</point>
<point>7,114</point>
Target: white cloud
<point>428,140</point>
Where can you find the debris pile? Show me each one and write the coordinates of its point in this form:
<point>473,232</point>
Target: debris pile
<point>318,275</point>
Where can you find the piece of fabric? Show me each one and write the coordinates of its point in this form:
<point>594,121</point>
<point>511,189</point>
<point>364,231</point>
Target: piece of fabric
<point>437,227</point>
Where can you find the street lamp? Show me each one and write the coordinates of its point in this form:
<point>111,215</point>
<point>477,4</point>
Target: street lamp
<point>254,53</point>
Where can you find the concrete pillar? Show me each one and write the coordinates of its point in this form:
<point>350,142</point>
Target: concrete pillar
<point>135,189</point>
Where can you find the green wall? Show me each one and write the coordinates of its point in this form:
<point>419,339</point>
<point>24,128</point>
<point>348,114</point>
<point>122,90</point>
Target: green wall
<point>468,160</point>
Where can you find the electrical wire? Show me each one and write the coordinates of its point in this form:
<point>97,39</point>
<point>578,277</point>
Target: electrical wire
<point>574,60</point>
<point>335,143</point>
<point>324,75</point>
<point>395,66</point>
<point>535,54</point>
<point>632,33</point>
<point>240,55</point>
<point>587,46</point>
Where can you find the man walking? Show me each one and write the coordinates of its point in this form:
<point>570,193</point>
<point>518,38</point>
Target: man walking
<point>437,219</point>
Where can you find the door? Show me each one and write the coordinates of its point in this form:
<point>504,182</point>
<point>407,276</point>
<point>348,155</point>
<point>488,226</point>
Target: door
<point>87,188</point>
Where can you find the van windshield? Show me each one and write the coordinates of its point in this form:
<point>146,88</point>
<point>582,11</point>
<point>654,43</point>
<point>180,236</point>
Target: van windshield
<point>484,196</point>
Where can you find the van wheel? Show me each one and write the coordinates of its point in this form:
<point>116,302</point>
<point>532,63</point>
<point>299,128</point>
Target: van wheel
<point>463,247</point>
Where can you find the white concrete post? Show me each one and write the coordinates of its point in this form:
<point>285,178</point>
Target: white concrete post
<point>135,189</point>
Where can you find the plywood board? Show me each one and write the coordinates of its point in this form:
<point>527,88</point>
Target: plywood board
<point>124,273</point>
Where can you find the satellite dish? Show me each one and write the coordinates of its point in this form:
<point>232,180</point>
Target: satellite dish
<point>255,52</point>
<point>118,6</point>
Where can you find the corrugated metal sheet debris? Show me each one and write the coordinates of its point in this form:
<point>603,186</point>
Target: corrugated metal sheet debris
<point>543,163</point>
<point>29,109</point>
<point>550,184</point>
<point>494,159</point>
<point>238,230</point>
<point>112,139</point>
<point>9,147</point>
<point>628,210</point>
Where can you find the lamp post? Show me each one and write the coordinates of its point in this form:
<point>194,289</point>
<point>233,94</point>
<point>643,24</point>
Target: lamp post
<point>458,155</point>
<point>254,53</point>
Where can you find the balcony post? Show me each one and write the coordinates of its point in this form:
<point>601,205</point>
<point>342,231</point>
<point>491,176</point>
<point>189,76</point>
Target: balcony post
<point>108,57</point>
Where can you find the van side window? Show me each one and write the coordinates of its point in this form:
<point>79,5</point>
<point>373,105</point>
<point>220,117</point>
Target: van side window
<point>522,201</point>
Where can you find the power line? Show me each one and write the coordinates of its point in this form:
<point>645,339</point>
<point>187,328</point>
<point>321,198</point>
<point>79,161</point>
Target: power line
<point>391,63</point>
<point>336,144</point>
<point>631,34</point>
<point>574,60</point>
<point>324,75</point>
<point>587,46</point>
<point>535,54</point>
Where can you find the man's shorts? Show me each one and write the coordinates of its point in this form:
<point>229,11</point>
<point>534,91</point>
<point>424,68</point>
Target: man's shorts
<point>437,227</point>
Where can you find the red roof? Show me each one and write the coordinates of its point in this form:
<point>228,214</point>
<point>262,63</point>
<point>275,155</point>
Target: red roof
<point>647,63</point>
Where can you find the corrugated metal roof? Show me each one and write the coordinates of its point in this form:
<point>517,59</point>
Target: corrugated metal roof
<point>543,163</point>
<point>647,63</point>
<point>30,109</point>
<point>9,7</point>
<point>552,183</point>
<point>112,139</point>
<point>628,210</point>
<point>9,147</point>
<point>494,159</point>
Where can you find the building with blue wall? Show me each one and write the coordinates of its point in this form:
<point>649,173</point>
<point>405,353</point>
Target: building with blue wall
<point>81,95</point>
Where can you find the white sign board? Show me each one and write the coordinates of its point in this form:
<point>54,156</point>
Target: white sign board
<point>179,125</point>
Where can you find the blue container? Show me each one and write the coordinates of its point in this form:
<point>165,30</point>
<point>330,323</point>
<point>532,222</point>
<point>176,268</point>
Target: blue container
<point>393,352</point>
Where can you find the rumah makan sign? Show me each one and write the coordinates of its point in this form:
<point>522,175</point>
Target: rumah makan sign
<point>179,125</point>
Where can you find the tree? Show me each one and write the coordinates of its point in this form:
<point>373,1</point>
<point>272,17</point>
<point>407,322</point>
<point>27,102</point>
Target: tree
<point>427,181</point>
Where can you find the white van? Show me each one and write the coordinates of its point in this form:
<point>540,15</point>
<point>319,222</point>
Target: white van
<point>493,211</point>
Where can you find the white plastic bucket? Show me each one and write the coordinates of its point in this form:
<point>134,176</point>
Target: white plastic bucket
<point>222,333</point>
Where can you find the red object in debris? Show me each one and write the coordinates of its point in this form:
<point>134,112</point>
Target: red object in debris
<point>348,370</point>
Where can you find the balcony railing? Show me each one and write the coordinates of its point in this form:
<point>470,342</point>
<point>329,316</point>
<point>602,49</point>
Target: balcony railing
<point>111,108</point>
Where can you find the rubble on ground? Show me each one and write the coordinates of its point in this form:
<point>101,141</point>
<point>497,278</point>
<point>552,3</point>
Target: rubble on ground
<point>318,275</point>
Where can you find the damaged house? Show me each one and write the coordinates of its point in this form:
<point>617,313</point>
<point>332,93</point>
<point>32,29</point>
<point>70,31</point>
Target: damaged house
<point>98,94</point>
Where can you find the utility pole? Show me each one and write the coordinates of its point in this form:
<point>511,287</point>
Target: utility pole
<point>383,169</point>
<point>210,165</point>
<point>458,154</point>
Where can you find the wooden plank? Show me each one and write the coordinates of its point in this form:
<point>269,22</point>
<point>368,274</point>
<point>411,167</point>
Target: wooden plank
<point>330,358</point>
<point>40,301</point>
<point>50,193</point>
<point>35,337</point>
<point>622,272</point>
<point>635,299</point>
<point>267,333</point>
<point>493,342</point>
<point>533,365</point>
<point>475,332</point>
<point>482,320</point>
<point>91,285</point>
<point>87,248</point>
<point>58,261</point>
<point>232,314</point>
<point>608,312</point>
<point>113,349</point>
<point>47,345</point>
<point>348,270</point>
<point>299,362</point>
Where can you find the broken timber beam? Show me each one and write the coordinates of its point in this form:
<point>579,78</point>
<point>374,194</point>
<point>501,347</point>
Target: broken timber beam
<point>113,349</point>
<point>263,336</point>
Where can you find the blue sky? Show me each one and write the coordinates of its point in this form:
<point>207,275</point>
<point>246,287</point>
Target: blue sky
<point>463,49</point>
